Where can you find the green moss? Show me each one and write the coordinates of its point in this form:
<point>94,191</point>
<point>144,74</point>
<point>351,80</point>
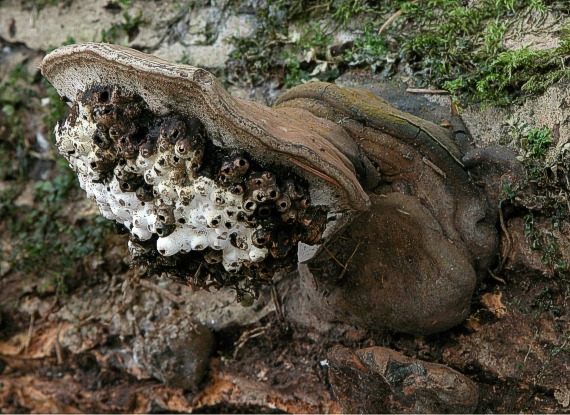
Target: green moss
<point>545,301</point>
<point>545,242</point>
<point>274,49</point>
<point>544,193</point>
<point>123,3</point>
<point>537,141</point>
<point>126,30</point>
<point>38,5</point>
<point>16,97</point>
<point>43,240</point>
<point>457,46</point>
<point>451,44</point>
<point>344,11</point>
<point>258,57</point>
<point>305,56</point>
<point>369,49</point>
<point>514,74</point>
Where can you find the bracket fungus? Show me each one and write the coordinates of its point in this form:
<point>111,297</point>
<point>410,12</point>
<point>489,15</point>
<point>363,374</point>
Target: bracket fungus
<point>218,191</point>
<point>214,190</point>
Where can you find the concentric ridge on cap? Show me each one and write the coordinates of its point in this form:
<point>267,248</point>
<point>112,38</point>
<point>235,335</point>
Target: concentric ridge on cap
<point>234,123</point>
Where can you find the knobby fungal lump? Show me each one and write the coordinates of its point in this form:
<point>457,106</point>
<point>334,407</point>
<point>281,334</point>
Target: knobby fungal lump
<point>204,199</point>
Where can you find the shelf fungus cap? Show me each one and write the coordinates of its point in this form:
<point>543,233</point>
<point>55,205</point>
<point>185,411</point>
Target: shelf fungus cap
<point>270,136</point>
<point>212,189</point>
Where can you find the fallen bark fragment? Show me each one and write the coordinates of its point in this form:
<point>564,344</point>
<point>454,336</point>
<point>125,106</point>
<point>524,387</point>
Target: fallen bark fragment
<point>381,380</point>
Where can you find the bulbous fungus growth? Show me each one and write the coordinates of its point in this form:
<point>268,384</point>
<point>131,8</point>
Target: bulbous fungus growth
<point>219,191</point>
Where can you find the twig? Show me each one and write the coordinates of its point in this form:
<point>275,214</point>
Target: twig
<point>527,353</point>
<point>454,109</point>
<point>340,277</point>
<point>391,19</point>
<point>278,307</point>
<point>246,336</point>
<point>172,297</point>
<point>14,357</point>
<point>333,257</point>
<point>502,281</point>
<point>429,163</point>
<point>194,281</point>
<point>86,320</point>
<point>318,6</point>
<point>50,310</point>
<point>30,333</point>
<point>508,246</point>
<point>57,345</point>
<point>314,171</point>
<point>427,91</point>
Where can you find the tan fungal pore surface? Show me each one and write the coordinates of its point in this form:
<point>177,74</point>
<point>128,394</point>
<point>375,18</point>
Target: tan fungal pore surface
<point>210,210</point>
